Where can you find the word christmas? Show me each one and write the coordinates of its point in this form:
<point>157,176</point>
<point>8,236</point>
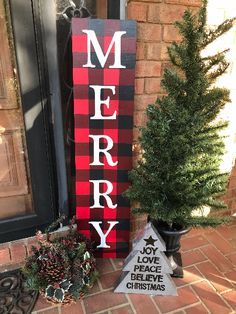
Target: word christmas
<point>146,269</point>
<point>103,76</point>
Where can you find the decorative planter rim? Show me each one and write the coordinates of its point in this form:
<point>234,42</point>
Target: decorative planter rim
<point>182,231</point>
<point>160,226</point>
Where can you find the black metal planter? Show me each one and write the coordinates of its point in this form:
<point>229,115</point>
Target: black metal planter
<point>172,240</point>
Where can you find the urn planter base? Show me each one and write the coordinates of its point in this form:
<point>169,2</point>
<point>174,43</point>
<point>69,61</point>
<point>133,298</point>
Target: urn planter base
<point>176,265</point>
<point>172,240</point>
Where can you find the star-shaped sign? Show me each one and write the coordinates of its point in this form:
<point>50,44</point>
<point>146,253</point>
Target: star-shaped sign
<point>150,241</point>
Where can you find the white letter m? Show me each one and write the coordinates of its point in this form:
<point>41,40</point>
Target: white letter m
<point>92,39</point>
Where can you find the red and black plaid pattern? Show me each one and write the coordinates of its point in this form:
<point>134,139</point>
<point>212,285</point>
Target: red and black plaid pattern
<point>119,130</point>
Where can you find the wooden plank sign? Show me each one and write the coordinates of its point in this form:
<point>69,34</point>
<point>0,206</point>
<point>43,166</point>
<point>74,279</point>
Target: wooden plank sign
<point>103,76</point>
<point>147,270</point>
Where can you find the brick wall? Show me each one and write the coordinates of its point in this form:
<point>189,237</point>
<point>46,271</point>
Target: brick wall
<point>13,254</point>
<point>155,32</point>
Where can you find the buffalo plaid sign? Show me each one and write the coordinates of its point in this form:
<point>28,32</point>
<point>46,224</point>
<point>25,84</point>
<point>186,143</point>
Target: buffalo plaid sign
<point>103,76</point>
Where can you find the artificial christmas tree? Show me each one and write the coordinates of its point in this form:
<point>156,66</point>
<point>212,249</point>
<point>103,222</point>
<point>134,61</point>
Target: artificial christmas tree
<point>179,172</point>
<point>146,269</point>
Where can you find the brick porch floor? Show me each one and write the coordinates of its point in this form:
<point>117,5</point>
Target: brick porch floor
<point>209,257</point>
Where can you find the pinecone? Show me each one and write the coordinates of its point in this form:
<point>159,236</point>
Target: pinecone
<point>53,270</point>
<point>77,275</point>
<point>76,266</point>
<point>68,299</point>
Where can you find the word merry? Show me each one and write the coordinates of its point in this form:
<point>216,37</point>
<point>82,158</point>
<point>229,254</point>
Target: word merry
<point>103,140</point>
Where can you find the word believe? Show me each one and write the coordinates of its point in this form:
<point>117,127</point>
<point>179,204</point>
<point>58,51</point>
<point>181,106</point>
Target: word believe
<point>141,271</point>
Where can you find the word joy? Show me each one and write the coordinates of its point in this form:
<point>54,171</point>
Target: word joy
<point>149,250</point>
<point>107,142</point>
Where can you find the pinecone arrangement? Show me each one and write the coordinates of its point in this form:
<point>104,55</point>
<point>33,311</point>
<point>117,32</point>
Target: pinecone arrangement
<point>62,269</point>
<point>52,268</point>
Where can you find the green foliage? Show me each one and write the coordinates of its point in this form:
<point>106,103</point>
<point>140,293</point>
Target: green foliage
<point>86,255</point>
<point>181,143</point>
<point>49,292</point>
<point>59,294</point>
<point>65,284</point>
<point>56,293</point>
<point>61,267</point>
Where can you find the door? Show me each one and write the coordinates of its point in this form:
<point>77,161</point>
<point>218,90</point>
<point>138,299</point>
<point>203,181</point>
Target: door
<point>27,177</point>
<point>15,195</point>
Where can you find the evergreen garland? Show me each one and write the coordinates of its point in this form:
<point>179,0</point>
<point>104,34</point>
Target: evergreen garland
<point>181,143</point>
